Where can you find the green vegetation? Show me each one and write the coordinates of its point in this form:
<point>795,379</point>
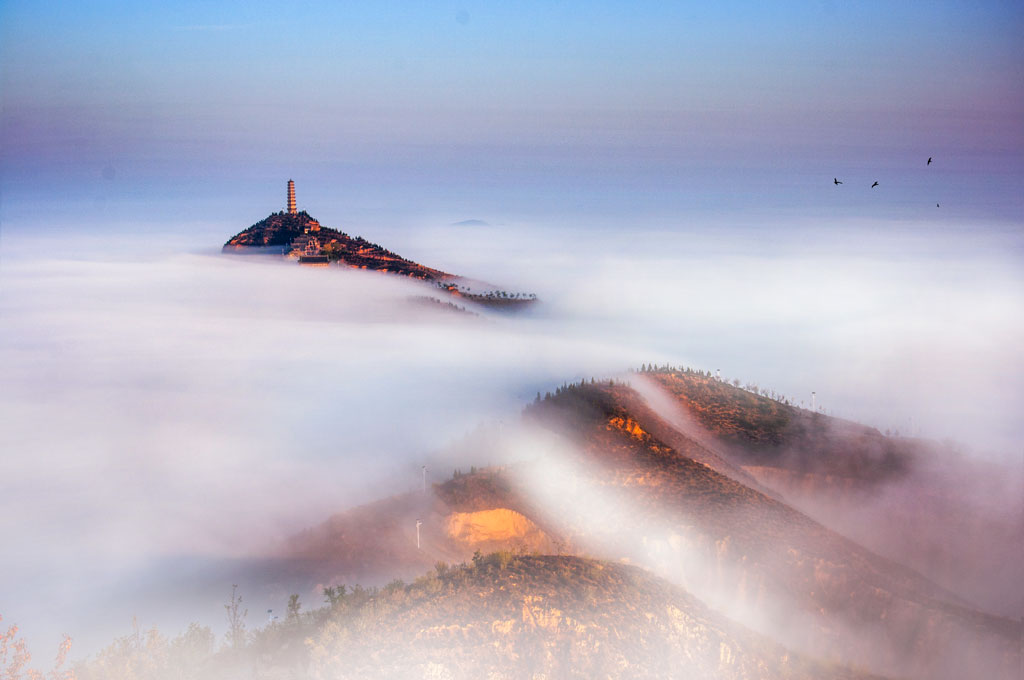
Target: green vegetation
<point>502,615</point>
<point>498,299</point>
<point>277,229</point>
<point>15,659</point>
<point>429,301</point>
<point>291,231</point>
<point>762,427</point>
<point>148,655</point>
<point>478,490</point>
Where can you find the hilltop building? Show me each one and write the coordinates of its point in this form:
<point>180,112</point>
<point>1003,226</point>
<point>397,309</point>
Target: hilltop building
<point>309,249</point>
<point>311,224</point>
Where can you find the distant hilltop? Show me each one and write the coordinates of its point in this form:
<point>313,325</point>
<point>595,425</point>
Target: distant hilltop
<point>300,236</point>
<point>296,234</point>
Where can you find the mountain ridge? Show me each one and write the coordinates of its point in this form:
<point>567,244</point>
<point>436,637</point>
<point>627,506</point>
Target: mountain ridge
<point>301,235</point>
<point>298,235</point>
<point>499,615</point>
<point>745,547</point>
<point>615,481</point>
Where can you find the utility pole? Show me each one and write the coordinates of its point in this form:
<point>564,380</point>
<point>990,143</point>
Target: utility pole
<point>418,524</point>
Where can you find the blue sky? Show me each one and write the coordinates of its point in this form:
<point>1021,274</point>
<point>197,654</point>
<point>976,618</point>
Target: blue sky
<point>525,108</point>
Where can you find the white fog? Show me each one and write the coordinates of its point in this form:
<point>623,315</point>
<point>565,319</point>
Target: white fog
<point>188,404</point>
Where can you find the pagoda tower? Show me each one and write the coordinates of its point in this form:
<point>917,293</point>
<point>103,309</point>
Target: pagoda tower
<point>291,197</point>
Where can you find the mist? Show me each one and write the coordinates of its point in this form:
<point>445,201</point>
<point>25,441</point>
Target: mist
<point>162,401</point>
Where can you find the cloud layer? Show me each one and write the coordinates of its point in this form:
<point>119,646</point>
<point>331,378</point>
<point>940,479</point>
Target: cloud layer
<point>205,406</point>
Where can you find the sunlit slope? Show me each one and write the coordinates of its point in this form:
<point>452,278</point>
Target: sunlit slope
<point>294,232</point>
<point>671,504</point>
<point>300,236</point>
<point>376,542</point>
<point>954,517</point>
<point>500,616</point>
<point>508,616</point>
<point>770,432</point>
<point>752,555</point>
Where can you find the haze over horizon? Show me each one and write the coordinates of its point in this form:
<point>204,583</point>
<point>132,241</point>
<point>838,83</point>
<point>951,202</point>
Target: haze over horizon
<point>542,112</point>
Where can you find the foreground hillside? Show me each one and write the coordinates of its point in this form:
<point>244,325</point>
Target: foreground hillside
<point>630,485</point>
<point>500,616</point>
<point>468,513</point>
<point>614,471</point>
<point>749,554</point>
<point>924,504</point>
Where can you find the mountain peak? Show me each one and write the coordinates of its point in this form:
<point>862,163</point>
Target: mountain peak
<point>296,234</point>
<point>301,236</point>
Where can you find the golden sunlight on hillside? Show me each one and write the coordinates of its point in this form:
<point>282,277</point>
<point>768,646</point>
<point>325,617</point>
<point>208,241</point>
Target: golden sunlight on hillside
<point>498,524</point>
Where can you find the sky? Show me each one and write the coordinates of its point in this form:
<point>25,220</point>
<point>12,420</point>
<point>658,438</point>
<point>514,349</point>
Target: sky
<point>660,174</point>
<point>603,109</point>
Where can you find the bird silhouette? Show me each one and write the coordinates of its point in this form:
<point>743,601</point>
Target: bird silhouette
<point>836,180</point>
<point>929,161</point>
<point>874,185</point>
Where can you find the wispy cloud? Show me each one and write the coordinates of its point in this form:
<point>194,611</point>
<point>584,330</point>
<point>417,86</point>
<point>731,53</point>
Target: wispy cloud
<point>230,401</point>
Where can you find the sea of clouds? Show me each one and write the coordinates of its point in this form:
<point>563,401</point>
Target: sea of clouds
<point>163,401</point>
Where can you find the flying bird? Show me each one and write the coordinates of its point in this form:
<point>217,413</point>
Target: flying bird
<point>929,161</point>
<point>836,180</point>
<point>874,185</point>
